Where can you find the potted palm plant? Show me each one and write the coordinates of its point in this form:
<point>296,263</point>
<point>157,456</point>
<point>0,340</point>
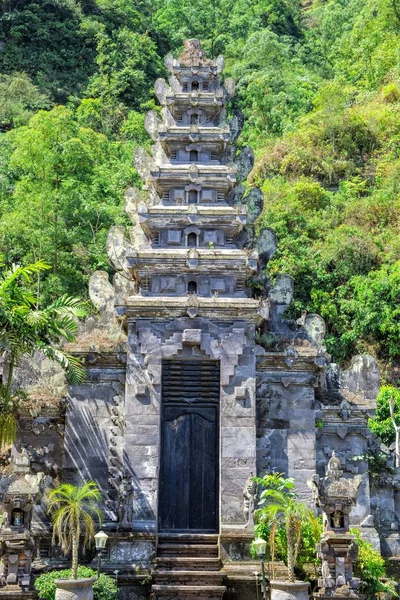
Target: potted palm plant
<point>72,511</point>
<point>280,508</point>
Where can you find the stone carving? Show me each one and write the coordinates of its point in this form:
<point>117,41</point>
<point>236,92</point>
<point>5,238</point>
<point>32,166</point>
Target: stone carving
<point>101,293</point>
<point>250,494</point>
<point>193,54</point>
<point>266,245</point>
<point>314,326</point>
<point>336,495</point>
<point>125,502</point>
<point>117,248</point>
<point>19,494</point>
<point>282,292</point>
<point>361,381</point>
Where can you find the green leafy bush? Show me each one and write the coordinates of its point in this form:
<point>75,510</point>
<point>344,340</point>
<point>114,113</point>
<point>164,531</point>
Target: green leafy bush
<point>287,524</point>
<point>371,569</point>
<point>382,424</point>
<point>104,588</point>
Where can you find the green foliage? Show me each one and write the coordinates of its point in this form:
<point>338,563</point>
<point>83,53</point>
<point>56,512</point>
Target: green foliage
<point>65,190</point>
<point>311,532</point>
<point>104,588</point>
<point>128,65</point>
<point>381,423</point>
<point>72,511</point>
<point>19,99</point>
<point>26,328</point>
<point>280,511</point>
<point>371,569</point>
<point>48,41</point>
<point>319,86</point>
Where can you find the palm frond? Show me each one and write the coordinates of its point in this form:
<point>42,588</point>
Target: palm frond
<point>10,276</point>
<point>71,364</point>
<point>73,510</point>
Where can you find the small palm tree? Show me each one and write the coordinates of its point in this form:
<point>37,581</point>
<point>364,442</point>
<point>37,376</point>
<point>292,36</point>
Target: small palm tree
<point>24,329</point>
<point>280,507</point>
<point>72,509</point>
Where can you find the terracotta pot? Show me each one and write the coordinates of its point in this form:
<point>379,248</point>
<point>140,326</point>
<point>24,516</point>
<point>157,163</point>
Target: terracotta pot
<point>74,589</point>
<point>284,590</point>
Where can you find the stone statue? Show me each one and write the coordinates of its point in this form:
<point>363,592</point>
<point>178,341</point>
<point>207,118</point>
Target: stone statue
<point>336,495</point>
<point>110,510</point>
<point>4,520</point>
<point>250,500</point>
<point>125,501</point>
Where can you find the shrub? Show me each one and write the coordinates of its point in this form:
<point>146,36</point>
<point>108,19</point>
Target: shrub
<point>382,423</point>
<point>310,194</point>
<point>391,93</point>
<point>104,588</point>
<point>371,569</point>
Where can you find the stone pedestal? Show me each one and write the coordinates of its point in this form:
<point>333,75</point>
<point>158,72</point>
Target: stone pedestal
<point>74,589</point>
<point>284,590</point>
<point>337,550</point>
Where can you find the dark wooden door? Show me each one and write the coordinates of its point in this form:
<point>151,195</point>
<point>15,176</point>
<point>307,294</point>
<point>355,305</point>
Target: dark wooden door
<point>188,493</point>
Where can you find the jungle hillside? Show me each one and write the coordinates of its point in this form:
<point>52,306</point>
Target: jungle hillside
<point>318,85</point>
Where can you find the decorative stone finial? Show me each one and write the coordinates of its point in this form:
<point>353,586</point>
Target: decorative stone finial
<point>334,470</point>
<point>193,54</point>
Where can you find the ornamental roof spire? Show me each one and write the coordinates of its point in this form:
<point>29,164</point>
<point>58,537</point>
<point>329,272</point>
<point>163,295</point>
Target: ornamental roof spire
<point>193,54</point>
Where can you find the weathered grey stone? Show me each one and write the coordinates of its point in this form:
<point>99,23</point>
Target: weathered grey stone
<point>160,87</point>
<point>220,63</point>
<point>74,589</point>
<point>244,162</point>
<point>230,86</point>
<point>236,124</point>
<point>362,378</point>
<point>282,292</point>
<point>152,124</point>
<point>117,248</point>
<point>132,552</point>
<point>101,293</point>
<point>265,245</point>
<point>143,162</point>
<point>284,590</point>
<point>315,328</point>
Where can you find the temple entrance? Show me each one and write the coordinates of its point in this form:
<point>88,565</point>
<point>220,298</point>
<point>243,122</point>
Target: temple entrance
<point>188,491</point>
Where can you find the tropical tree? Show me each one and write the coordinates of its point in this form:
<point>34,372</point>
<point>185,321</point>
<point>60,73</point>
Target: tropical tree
<point>279,507</point>
<point>386,422</point>
<point>73,509</point>
<point>25,328</point>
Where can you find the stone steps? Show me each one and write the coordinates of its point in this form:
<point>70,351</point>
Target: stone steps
<point>181,549</point>
<point>182,592</point>
<point>188,567</point>
<point>187,563</point>
<point>188,538</point>
<point>188,577</point>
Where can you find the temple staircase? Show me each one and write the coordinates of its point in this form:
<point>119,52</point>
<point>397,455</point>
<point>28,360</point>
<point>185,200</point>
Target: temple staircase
<point>188,567</point>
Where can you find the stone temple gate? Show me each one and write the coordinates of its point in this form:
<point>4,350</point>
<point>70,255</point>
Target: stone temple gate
<point>195,380</point>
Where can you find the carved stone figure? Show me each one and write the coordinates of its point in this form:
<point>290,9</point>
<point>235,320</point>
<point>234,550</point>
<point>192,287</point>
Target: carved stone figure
<point>250,500</point>
<point>125,502</point>
<point>336,495</point>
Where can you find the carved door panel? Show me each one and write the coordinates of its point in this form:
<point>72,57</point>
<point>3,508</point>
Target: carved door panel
<point>188,491</point>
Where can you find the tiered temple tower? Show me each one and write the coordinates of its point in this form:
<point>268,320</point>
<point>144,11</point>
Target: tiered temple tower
<point>199,384</point>
<point>190,388</point>
<point>191,365</point>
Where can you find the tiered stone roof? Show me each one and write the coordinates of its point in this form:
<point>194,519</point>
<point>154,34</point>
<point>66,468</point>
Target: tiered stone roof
<point>195,250</point>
